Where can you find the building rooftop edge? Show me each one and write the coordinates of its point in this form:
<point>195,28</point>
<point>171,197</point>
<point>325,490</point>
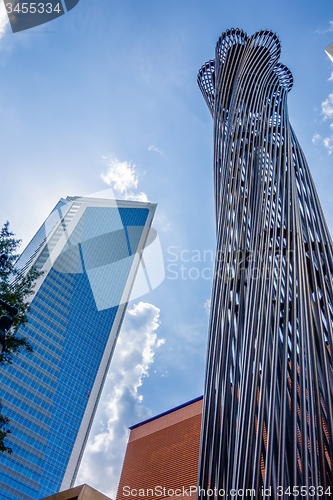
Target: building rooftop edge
<point>91,198</point>
<point>166,412</point>
<point>77,492</point>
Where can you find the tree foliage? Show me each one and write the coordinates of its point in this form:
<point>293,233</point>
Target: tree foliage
<point>15,288</point>
<point>4,431</point>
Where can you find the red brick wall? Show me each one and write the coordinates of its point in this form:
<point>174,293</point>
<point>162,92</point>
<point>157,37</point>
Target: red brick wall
<point>163,453</point>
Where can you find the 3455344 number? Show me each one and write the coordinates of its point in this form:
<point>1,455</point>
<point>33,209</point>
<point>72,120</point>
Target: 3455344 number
<point>303,491</point>
<point>33,8</point>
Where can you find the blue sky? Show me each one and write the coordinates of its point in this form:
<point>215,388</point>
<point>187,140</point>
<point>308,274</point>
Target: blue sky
<point>115,83</point>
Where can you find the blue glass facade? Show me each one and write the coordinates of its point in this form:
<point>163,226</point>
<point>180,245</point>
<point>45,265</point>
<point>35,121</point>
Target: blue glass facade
<point>48,393</point>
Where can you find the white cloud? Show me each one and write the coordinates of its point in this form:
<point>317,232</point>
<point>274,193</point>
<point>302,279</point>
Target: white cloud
<point>137,197</point>
<point>327,107</point>
<point>122,177</point>
<point>162,222</point>
<point>328,143</point>
<point>322,31</point>
<point>3,19</point>
<point>316,138</point>
<point>121,402</point>
<point>327,111</point>
<point>207,306</point>
<point>154,148</point>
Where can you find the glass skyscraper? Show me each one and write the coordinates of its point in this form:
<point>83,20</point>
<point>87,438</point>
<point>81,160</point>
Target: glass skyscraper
<point>268,406</point>
<point>90,251</point>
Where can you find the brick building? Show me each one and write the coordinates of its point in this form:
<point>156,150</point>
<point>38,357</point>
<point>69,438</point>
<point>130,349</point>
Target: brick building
<point>162,453</point>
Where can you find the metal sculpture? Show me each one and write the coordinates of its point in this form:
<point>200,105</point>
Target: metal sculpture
<point>268,413</point>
